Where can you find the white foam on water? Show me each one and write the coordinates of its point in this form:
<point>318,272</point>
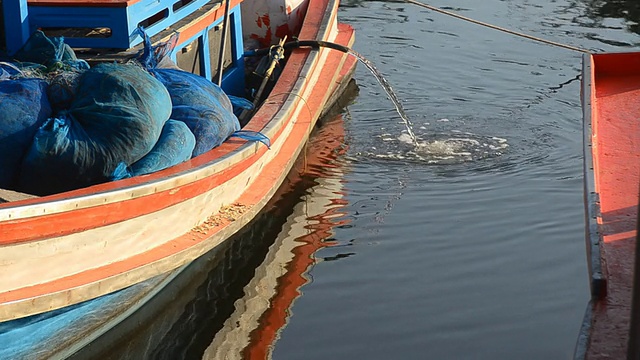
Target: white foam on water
<point>452,148</point>
<point>405,138</point>
<point>438,147</point>
<point>471,141</point>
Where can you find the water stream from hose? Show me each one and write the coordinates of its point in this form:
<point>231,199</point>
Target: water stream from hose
<point>390,93</point>
<point>434,148</point>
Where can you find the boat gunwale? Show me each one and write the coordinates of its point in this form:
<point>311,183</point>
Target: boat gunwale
<point>137,268</point>
<point>232,152</point>
<point>593,235</point>
<point>611,84</point>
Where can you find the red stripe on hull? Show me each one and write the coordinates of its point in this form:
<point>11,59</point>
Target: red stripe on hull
<point>107,278</point>
<point>64,223</point>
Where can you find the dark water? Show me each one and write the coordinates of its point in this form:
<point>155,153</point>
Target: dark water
<point>478,260</point>
<point>472,250</point>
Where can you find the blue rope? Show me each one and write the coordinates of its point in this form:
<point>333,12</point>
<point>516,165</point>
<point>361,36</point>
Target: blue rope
<point>252,136</point>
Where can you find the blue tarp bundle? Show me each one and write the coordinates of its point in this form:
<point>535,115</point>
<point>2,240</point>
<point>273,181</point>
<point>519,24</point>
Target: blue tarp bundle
<point>50,52</point>
<point>23,109</point>
<point>62,89</point>
<point>78,126</point>
<point>174,146</point>
<point>200,104</point>
<point>117,116</point>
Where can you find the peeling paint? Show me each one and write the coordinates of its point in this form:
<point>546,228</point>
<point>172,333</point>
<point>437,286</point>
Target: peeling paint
<point>266,19</point>
<point>282,31</point>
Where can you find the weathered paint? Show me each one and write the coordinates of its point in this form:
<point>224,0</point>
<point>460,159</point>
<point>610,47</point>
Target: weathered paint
<point>259,15</point>
<point>128,246</point>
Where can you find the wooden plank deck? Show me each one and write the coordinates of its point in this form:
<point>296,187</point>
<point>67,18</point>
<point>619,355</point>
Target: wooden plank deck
<point>10,195</point>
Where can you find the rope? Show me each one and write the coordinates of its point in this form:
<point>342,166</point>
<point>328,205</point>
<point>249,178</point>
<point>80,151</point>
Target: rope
<point>497,27</point>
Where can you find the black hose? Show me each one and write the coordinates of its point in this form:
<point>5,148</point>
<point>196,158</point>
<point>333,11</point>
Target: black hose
<point>314,44</point>
<point>223,42</point>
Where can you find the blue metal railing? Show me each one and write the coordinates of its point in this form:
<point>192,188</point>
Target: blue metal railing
<point>16,24</point>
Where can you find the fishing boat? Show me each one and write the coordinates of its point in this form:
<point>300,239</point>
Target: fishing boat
<point>234,301</point>
<point>196,308</point>
<point>611,108</point>
<point>58,252</point>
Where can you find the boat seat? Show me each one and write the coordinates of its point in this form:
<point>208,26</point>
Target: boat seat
<point>107,23</point>
<point>10,195</point>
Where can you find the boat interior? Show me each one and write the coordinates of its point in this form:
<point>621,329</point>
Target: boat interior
<point>612,165</point>
<point>100,32</point>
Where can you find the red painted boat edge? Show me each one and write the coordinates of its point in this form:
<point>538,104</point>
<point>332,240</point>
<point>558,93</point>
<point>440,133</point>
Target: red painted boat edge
<point>74,288</point>
<point>611,106</point>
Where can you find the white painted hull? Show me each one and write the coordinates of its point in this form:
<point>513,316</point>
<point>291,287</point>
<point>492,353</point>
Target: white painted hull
<point>63,249</point>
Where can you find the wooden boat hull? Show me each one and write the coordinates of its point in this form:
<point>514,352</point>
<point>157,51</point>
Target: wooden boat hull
<point>611,104</point>
<point>214,295</point>
<point>67,248</point>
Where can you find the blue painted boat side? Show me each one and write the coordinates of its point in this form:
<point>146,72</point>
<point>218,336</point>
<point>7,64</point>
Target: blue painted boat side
<point>16,24</point>
<point>154,15</point>
<point>233,79</point>
<point>61,333</point>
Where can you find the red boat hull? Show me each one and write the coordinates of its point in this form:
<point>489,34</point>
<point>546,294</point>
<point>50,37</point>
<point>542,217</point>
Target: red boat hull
<point>611,103</point>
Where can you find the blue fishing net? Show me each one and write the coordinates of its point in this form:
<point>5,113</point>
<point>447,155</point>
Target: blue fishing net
<point>201,105</point>
<point>23,109</point>
<point>206,109</point>
<point>9,71</point>
<point>50,52</point>
<point>62,89</point>
<point>117,116</point>
<point>175,145</point>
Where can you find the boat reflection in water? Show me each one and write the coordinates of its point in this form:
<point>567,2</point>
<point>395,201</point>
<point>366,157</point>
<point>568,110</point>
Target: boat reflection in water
<point>233,302</point>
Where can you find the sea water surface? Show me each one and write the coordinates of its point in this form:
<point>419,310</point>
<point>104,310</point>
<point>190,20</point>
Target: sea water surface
<point>482,259</point>
<point>470,246</point>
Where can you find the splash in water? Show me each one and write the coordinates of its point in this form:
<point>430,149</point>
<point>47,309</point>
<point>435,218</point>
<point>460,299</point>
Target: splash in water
<point>451,148</point>
<point>440,148</point>
<point>389,90</point>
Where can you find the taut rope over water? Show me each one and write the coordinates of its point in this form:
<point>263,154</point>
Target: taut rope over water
<point>316,44</point>
<point>534,38</point>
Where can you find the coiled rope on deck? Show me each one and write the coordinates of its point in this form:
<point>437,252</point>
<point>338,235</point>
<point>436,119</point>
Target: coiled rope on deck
<point>530,37</point>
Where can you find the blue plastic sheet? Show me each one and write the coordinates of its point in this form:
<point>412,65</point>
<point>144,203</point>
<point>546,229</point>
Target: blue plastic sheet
<point>23,109</point>
<point>201,105</point>
<point>117,116</point>
<point>253,136</point>
<point>50,52</point>
<point>175,145</point>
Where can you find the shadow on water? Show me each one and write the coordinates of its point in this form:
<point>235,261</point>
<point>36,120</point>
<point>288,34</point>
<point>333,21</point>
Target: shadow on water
<point>621,9</point>
<point>226,302</point>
